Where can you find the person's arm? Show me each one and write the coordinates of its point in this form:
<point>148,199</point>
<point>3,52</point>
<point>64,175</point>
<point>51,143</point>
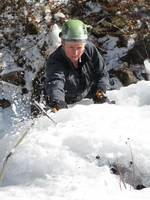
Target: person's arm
<point>101,74</point>
<point>55,80</point>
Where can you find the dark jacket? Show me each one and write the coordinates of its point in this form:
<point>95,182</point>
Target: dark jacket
<point>66,84</point>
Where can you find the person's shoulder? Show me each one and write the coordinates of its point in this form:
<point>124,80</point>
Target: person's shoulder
<point>90,48</point>
<point>89,45</point>
<point>56,58</point>
<point>55,54</point>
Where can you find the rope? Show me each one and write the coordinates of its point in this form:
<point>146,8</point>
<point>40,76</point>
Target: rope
<point>12,151</point>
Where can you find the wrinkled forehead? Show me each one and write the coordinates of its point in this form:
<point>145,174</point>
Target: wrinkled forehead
<point>74,43</point>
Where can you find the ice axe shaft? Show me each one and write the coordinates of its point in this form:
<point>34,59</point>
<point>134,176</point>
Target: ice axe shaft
<point>44,112</point>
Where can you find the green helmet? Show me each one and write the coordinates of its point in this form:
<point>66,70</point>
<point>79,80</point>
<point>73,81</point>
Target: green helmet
<point>74,30</point>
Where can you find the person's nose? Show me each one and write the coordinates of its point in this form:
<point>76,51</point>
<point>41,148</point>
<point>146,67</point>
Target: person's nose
<point>75,52</point>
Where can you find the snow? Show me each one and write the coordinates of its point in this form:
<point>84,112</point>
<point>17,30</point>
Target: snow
<point>7,61</point>
<point>92,8</point>
<point>114,53</point>
<point>72,160</point>
<point>147,67</point>
<point>54,35</point>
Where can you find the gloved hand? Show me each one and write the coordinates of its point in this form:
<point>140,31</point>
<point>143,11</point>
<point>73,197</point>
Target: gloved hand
<point>100,97</point>
<point>55,105</point>
<point>55,109</point>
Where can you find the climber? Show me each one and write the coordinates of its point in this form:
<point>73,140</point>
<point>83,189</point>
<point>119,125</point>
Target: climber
<point>75,70</point>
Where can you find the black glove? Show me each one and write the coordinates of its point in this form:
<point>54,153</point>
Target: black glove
<point>100,97</point>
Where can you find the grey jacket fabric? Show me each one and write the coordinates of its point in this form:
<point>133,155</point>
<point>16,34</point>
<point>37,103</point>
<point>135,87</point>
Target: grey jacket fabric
<point>65,84</point>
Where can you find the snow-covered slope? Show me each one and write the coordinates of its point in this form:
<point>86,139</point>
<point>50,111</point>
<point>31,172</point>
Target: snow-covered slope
<point>72,160</point>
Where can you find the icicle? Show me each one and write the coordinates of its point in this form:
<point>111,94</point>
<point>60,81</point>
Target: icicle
<point>147,68</point>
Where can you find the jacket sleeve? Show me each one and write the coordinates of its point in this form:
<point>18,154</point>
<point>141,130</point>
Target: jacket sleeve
<point>100,71</point>
<point>55,80</point>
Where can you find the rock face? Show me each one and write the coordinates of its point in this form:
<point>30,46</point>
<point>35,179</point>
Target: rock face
<point>16,78</point>
<point>29,33</point>
<point>139,52</point>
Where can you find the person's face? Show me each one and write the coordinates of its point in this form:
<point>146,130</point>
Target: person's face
<point>74,50</point>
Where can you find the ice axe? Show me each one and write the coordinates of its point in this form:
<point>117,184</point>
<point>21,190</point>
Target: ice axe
<point>43,111</point>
